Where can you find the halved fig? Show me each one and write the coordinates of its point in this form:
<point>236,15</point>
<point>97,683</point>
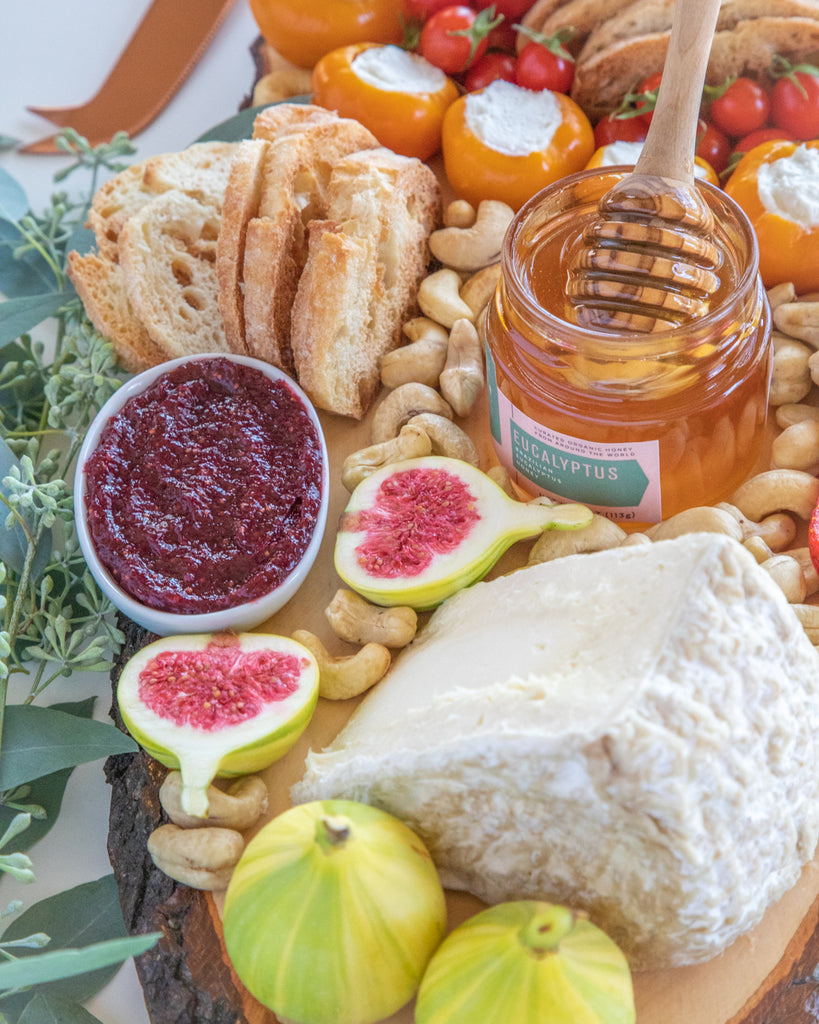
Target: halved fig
<point>217,704</point>
<point>415,532</point>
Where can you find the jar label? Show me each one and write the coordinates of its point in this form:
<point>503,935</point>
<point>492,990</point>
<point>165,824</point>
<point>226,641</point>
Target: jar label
<point>619,481</point>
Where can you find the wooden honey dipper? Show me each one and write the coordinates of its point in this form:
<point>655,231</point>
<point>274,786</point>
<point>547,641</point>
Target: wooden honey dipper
<point>647,262</point>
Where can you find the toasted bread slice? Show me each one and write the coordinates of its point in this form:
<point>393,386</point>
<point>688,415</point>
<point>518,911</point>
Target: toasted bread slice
<point>603,79</point>
<point>100,285</point>
<point>168,258</point>
<point>582,16</point>
<point>293,193</point>
<point>645,17</point>
<point>242,197</point>
<point>200,171</point>
<point>269,122</point>
<point>364,265</point>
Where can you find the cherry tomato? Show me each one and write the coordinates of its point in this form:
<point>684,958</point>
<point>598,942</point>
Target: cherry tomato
<point>612,128</point>
<point>645,97</point>
<point>543,63</point>
<point>787,246</point>
<point>795,100</point>
<point>713,146</point>
<point>510,9</point>
<point>455,37</point>
<point>420,10</point>
<point>503,36</point>
<point>477,170</point>
<point>746,144</point>
<point>739,106</point>
<point>303,32</point>
<point>404,121</point>
<point>489,68</point>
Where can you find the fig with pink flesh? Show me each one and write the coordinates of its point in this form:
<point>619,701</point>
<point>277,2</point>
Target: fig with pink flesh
<point>219,704</point>
<point>415,532</point>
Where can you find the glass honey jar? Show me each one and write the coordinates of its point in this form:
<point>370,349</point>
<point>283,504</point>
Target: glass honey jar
<point>639,426</point>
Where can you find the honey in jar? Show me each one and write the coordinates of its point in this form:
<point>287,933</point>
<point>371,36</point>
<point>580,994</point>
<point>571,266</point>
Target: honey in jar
<point>637,426</point>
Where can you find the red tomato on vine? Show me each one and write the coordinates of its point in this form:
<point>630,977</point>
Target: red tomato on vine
<point>795,99</point>
<point>613,128</point>
<point>544,63</point>
<point>456,36</point>
<point>739,106</point>
<point>489,68</point>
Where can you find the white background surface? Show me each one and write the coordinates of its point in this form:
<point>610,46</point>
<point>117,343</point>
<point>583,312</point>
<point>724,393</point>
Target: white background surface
<point>58,53</point>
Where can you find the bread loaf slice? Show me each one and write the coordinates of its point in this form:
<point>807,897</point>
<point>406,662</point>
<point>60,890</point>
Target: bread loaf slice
<point>269,122</point>
<point>364,264</point>
<point>296,173</point>
<point>631,732</point>
<point>100,284</point>
<point>200,171</point>
<point>582,16</point>
<point>168,258</point>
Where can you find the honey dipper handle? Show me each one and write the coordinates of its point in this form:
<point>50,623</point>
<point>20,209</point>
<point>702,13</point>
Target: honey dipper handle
<point>669,147</point>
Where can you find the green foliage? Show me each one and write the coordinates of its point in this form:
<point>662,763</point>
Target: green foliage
<point>53,618</point>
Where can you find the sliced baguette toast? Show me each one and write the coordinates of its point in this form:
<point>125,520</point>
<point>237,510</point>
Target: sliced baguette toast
<point>168,258</point>
<point>100,285</point>
<point>200,171</point>
<point>296,172</point>
<point>359,283</point>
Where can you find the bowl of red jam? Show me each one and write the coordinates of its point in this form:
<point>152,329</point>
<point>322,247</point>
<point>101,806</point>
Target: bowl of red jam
<point>201,494</point>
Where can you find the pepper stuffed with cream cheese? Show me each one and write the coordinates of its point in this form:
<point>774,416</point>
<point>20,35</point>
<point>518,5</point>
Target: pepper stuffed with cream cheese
<point>504,142</point>
<point>777,185</point>
<point>399,96</point>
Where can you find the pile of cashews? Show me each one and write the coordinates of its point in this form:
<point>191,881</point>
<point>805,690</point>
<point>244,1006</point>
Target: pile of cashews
<point>435,379</point>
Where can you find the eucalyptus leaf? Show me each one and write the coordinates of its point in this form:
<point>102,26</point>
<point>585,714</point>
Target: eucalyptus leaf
<point>43,1009</point>
<point>14,202</point>
<point>81,238</point>
<point>19,315</point>
<point>88,914</point>
<point>24,274</point>
<point>240,126</point>
<point>38,741</point>
<point>13,540</point>
<point>67,963</point>
<point>46,792</point>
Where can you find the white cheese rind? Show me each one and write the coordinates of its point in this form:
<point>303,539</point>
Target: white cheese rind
<point>630,732</point>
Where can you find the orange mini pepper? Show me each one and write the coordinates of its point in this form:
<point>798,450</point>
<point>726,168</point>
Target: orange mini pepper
<point>402,120</point>
<point>788,248</point>
<point>478,171</point>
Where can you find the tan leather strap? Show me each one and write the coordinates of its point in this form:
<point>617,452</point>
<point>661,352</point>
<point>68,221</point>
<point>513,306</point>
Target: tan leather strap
<point>160,55</point>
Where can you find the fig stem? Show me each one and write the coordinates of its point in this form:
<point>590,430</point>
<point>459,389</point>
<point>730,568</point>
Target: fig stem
<point>196,778</point>
<point>545,930</point>
<point>548,515</point>
<point>332,832</point>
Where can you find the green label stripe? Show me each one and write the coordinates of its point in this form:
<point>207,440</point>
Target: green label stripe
<point>614,483</point>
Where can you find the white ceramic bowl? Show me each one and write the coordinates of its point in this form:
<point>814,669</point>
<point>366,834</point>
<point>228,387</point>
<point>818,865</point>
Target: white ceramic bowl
<point>239,617</point>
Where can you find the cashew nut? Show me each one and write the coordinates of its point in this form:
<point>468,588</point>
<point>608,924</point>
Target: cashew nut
<point>281,85</point>
<point>797,447</point>
<point>476,246</point>
<point>447,437</point>
<point>796,412</point>
<point>701,519</point>
<point>398,407</point>
<point>633,539</point>
<point>799,320</point>
<point>790,380</point>
<point>802,556</point>
<point>420,361</point>
<point>477,290</point>
<point>600,535</point>
<point>460,214</point>
<point>757,547</point>
<point>354,619</point>
<point>777,490</point>
<point>411,443</point>
<point>776,530</point>
<point>439,297</point>
<point>462,379</point>
<point>498,475</point>
<point>780,294</point>
<point>813,367</point>
<point>787,573</point>
<point>202,858</point>
<point>808,615</point>
<point>348,675</point>
<point>239,806</point>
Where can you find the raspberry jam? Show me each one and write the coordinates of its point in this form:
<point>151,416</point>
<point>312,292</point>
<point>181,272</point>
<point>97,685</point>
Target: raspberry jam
<point>205,489</point>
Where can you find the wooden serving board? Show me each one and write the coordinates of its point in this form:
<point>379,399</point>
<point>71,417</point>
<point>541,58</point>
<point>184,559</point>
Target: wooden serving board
<point>766,977</point>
